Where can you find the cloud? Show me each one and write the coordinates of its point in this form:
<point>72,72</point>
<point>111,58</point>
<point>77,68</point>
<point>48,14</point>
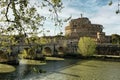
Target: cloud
<point>108,18</point>
<point>98,11</point>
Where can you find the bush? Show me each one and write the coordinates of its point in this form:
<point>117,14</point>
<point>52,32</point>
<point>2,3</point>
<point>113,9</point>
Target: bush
<point>28,53</point>
<point>86,46</point>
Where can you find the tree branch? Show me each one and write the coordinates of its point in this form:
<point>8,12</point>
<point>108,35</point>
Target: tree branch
<point>6,14</point>
<point>55,11</point>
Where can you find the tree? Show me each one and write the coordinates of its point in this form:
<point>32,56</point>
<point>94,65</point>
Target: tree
<point>115,39</point>
<point>24,18</point>
<point>20,17</point>
<point>86,46</point>
<point>43,41</point>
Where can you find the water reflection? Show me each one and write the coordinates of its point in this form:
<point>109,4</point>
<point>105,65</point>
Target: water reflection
<point>84,70</point>
<point>25,71</point>
<point>66,70</point>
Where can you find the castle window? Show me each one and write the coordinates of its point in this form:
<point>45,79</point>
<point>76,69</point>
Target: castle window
<point>74,25</point>
<point>74,30</point>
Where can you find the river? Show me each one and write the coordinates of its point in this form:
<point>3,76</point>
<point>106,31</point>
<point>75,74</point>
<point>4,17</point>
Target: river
<point>68,69</point>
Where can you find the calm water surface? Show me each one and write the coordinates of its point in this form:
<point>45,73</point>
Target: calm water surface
<point>69,69</point>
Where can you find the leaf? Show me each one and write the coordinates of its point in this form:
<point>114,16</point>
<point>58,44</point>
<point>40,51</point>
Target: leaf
<point>43,4</point>
<point>50,10</point>
<point>3,11</point>
<point>61,33</point>
<point>117,11</point>
<point>86,46</point>
<point>110,3</point>
<point>68,19</point>
<point>55,2</point>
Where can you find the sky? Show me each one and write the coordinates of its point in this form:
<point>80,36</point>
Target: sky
<point>98,12</point>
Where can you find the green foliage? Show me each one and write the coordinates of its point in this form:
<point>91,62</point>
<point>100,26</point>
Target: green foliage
<point>20,17</point>
<point>25,18</point>
<point>115,39</point>
<point>117,11</point>
<point>43,41</point>
<point>2,55</point>
<point>6,43</point>
<point>24,53</point>
<point>56,2</point>
<point>110,3</point>
<point>86,46</point>
<point>28,53</point>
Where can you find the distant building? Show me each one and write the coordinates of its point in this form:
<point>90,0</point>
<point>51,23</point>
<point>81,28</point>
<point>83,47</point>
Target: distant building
<point>77,28</point>
<point>82,27</point>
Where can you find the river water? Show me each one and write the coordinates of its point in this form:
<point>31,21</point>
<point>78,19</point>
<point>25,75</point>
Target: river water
<point>68,69</point>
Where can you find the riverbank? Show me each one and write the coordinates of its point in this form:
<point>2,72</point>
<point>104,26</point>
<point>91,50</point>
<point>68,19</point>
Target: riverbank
<point>77,69</point>
<point>10,62</point>
<point>94,57</point>
<point>65,69</point>
<point>69,56</point>
<point>104,57</point>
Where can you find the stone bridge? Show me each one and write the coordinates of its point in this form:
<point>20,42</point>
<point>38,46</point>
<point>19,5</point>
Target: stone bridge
<point>51,49</point>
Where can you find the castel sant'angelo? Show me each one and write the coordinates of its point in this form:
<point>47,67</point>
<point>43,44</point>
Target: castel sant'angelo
<point>82,27</point>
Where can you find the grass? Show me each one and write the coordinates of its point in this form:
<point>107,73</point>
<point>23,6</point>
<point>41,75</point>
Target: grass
<point>31,62</point>
<point>54,58</point>
<point>4,68</point>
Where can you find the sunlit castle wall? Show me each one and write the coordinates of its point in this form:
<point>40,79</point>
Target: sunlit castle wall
<point>82,27</point>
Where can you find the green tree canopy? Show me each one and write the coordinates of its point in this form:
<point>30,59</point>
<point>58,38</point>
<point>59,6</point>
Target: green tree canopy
<point>22,17</point>
<point>115,39</point>
<point>86,46</point>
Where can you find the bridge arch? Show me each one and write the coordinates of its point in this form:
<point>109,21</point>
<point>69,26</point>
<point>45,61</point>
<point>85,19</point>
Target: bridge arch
<point>60,50</point>
<point>47,50</point>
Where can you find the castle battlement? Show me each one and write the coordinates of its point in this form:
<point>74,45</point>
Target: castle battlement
<point>82,27</point>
